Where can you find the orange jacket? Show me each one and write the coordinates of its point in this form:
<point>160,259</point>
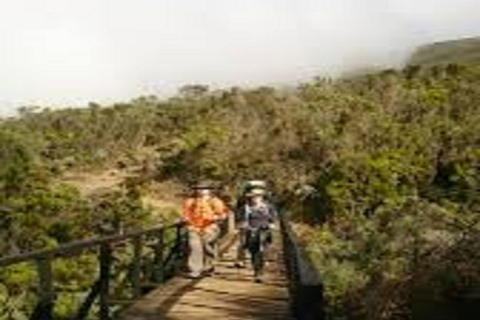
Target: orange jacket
<point>201,213</point>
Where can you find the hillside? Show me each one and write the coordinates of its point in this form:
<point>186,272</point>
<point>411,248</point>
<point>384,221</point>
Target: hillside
<point>381,173</point>
<point>462,51</point>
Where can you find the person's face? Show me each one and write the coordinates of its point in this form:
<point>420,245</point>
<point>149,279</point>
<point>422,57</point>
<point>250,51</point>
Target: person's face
<point>204,193</point>
<point>257,199</point>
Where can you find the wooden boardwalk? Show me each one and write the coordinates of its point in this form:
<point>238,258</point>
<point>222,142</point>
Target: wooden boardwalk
<point>229,294</point>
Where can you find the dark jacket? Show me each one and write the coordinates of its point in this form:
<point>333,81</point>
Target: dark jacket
<point>257,217</point>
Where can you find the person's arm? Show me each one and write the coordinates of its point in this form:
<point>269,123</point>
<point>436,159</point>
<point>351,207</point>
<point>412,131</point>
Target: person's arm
<point>239,211</point>
<point>242,217</point>
<point>187,210</point>
<point>221,209</point>
<point>273,214</point>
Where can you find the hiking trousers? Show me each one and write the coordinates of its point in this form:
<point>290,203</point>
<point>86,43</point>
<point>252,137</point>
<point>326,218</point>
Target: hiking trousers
<point>203,249</point>
<point>258,242</point>
<point>241,246</point>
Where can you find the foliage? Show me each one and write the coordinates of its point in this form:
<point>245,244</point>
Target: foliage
<point>384,167</point>
<point>37,213</point>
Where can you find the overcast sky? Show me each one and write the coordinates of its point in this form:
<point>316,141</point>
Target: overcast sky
<point>65,52</point>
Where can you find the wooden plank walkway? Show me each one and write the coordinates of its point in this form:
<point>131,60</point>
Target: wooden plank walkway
<point>229,294</point>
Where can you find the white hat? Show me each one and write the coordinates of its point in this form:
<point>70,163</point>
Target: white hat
<point>256,184</point>
<point>256,192</point>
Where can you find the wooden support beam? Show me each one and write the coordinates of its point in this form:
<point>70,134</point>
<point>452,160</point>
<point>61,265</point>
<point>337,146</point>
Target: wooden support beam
<point>159,250</point>
<point>136,264</point>
<point>87,304</point>
<point>105,266</point>
<point>44,310</point>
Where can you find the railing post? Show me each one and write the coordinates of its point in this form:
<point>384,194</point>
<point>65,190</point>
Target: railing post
<point>137,261</point>
<point>178,263</point>
<point>105,266</point>
<point>44,310</point>
<point>158,274</point>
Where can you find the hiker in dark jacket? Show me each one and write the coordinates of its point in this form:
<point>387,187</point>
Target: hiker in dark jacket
<point>259,219</point>
<point>240,221</point>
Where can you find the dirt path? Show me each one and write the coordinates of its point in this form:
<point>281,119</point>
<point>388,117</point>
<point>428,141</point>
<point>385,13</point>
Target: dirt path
<point>163,199</point>
<point>89,183</point>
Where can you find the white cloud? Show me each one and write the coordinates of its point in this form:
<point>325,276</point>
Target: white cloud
<point>69,52</point>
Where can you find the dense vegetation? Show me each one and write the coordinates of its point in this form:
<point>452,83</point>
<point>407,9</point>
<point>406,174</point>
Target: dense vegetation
<point>380,171</point>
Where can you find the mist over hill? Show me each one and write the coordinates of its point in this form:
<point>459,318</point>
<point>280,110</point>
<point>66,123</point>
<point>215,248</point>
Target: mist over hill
<point>462,51</point>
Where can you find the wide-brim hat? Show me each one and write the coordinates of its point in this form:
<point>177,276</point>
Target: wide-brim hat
<point>256,184</point>
<point>256,192</point>
<point>204,185</point>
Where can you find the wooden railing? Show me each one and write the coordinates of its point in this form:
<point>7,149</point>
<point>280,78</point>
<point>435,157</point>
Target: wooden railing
<point>305,285</point>
<point>166,250</point>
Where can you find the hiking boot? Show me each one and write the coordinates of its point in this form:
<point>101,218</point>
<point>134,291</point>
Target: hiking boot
<point>209,272</point>
<point>193,276</point>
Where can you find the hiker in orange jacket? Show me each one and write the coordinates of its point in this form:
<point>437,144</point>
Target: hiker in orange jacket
<point>202,212</point>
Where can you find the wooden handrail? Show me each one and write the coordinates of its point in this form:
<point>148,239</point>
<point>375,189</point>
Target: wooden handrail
<point>69,248</point>
<point>167,261</point>
<point>100,289</point>
<point>306,287</point>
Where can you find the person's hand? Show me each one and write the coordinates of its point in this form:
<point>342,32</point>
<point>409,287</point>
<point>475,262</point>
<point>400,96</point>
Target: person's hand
<point>215,219</point>
<point>181,221</point>
<point>242,225</point>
